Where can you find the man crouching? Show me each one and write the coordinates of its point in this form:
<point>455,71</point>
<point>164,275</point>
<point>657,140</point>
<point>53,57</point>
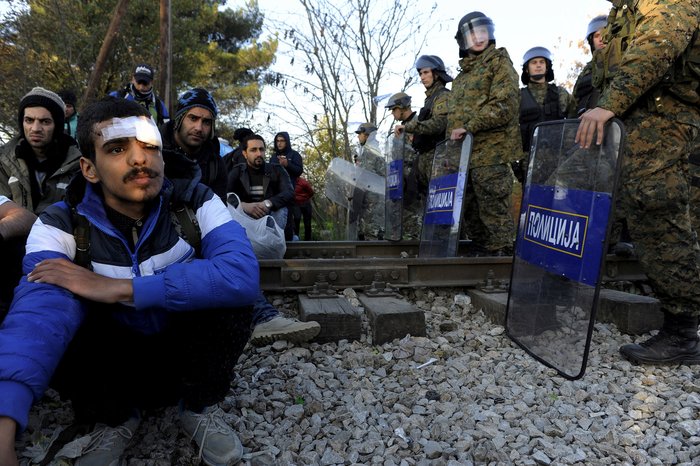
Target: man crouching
<point>146,321</point>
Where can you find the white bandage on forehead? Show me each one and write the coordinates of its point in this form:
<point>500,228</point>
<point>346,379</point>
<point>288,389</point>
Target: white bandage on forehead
<point>142,128</point>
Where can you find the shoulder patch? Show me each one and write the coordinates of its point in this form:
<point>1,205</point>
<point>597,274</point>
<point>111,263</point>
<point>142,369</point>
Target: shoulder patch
<point>440,104</point>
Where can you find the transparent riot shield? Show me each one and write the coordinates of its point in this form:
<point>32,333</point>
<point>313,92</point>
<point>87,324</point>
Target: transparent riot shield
<point>443,208</point>
<point>358,190</point>
<point>561,242</point>
<point>393,210</point>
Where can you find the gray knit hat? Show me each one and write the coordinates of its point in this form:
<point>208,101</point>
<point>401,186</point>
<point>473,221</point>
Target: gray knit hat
<point>40,97</point>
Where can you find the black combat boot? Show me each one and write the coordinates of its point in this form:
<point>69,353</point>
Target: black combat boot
<point>676,343</point>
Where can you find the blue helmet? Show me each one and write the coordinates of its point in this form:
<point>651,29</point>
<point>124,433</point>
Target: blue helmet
<point>436,64</point>
<point>536,52</point>
<point>596,24</point>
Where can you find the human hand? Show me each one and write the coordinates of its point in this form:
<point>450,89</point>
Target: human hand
<point>592,122</point>
<point>255,209</point>
<point>283,160</point>
<point>81,281</point>
<point>457,133</point>
<point>398,129</point>
<point>8,429</point>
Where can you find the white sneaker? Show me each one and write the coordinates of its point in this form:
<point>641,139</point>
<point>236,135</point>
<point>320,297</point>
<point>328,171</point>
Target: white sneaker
<point>107,444</point>
<point>283,328</point>
<point>218,443</point>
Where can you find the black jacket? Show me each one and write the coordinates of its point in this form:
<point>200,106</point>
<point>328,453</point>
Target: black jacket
<point>295,167</point>
<point>277,186</point>
<point>211,164</point>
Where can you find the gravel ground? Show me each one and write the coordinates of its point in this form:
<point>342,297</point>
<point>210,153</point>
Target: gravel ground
<point>481,401</point>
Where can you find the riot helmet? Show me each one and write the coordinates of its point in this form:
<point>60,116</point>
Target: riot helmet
<point>400,99</point>
<point>596,24</point>
<point>436,64</point>
<point>537,52</point>
<point>365,128</point>
<point>474,29</point>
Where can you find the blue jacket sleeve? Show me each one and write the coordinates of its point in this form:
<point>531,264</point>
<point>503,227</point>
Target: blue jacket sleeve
<point>42,321</point>
<point>227,275</point>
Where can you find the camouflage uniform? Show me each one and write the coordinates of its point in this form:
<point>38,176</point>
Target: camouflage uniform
<point>413,196</point>
<point>485,100</point>
<point>436,124</point>
<point>370,206</point>
<point>660,126</point>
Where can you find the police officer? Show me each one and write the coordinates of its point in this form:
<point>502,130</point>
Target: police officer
<point>368,209</point>
<point>585,94</point>
<point>484,101</point>
<point>647,80</point>
<point>413,198</point>
<point>429,127</point>
<point>540,99</point>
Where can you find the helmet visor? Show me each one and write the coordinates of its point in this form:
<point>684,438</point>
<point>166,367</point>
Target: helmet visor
<point>477,33</point>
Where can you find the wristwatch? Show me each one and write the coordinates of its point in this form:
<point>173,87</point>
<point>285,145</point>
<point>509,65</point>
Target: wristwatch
<point>267,203</point>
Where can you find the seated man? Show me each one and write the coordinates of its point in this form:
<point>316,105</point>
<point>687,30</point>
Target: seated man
<point>265,189</point>
<point>140,327</point>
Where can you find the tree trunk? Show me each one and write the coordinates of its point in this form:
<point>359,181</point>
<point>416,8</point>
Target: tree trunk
<point>165,82</point>
<point>112,30</point>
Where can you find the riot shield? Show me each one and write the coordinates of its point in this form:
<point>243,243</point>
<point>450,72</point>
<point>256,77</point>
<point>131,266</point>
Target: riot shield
<point>358,190</point>
<point>443,209</point>
<point>561,242</point>
<point>393,210</point>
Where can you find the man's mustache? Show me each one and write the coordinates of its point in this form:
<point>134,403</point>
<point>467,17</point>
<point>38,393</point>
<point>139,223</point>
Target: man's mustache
<point>136,172</point>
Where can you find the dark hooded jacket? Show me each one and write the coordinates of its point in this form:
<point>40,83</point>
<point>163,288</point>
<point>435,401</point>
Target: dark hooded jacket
<point>296,165</point>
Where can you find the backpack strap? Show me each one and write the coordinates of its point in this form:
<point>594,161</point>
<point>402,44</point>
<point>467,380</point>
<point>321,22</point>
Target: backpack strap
<point>81,233</point>
<point>187,226</point>
<point>181,215</point>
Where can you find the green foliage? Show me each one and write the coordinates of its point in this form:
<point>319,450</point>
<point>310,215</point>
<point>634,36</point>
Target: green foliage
<point>54,44</point>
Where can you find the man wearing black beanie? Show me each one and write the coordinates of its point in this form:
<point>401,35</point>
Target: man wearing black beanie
<point>36,165</point>
<point>192,133</point>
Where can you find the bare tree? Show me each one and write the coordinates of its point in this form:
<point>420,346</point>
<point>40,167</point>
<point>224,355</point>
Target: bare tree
<point>346,49</point>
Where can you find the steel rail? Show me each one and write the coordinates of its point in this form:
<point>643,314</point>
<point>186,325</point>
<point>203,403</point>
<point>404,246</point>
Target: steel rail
<point>345,264</point>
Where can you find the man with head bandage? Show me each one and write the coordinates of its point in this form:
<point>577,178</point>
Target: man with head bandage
<point>137,327</point>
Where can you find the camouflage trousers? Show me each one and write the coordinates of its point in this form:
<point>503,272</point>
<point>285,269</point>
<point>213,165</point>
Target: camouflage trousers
<point>371,217</point>
<point>656,206</point>
<point>412,221</point>
<point>488,215</point>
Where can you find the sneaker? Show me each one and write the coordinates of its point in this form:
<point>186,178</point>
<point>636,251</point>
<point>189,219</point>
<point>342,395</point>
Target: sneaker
<point>218,443</point>
<point>283,328</point>
<point>107,444</point>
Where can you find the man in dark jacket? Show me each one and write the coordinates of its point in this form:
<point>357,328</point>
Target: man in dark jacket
<point>292,163</point>
<point>140,328</point>
<point>140,90</point>
<point>265,189</point>
<point>191,133</point>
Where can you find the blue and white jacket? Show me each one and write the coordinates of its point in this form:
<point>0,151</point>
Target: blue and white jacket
<point>166,278</point>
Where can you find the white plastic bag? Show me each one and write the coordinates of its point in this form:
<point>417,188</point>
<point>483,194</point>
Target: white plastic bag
<point>265,235</point>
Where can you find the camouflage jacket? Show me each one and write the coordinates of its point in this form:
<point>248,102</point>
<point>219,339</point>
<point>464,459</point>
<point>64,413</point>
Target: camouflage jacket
<point>14,168</point>
<point>566,101</point>
<point>634,64</point>
<point>436,111</point>
<point>485,100</point>
<point>370,158</point>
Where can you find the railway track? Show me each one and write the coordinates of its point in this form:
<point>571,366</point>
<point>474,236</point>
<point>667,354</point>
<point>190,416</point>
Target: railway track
<point>347,264</point>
